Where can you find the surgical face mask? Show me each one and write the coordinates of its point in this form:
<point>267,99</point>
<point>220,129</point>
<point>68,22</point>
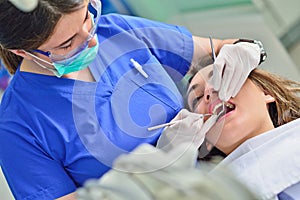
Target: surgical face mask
<point>75,63</point>
<point>94,9</point>
<point>80,57</point>
<point>81,61</point>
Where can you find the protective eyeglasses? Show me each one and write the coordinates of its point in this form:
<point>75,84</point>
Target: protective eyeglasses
<point>94,8</point>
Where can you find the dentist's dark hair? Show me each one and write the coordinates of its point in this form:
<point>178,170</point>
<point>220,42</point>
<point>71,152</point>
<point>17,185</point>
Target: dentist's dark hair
<point>29,30</point>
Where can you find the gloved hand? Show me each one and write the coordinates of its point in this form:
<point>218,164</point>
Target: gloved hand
<point>144,172</point>
<point>188,129</point>
<point>232,67</point>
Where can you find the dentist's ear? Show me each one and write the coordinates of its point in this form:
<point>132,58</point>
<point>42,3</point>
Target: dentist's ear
<point>22,53</point>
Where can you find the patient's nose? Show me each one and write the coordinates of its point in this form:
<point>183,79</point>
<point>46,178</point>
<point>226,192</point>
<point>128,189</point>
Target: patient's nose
<point>210,95</point>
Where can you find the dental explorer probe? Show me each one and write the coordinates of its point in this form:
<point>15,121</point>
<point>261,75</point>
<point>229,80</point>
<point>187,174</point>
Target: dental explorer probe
<point>172,122</point>
<point>203,115</point>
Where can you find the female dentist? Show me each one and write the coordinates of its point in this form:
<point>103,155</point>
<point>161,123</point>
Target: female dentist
<point>85,88</point>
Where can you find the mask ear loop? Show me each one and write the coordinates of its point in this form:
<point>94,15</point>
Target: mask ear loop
<point>48,68</point>
<point>54,71</point>
<point>69,57</point>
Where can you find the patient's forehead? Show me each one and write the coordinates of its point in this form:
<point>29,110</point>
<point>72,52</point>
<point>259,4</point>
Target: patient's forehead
<point>203,75</point>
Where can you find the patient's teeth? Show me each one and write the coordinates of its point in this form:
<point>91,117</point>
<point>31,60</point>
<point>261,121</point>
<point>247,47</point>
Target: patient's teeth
<point>229,105</point>
<point>219,107</point>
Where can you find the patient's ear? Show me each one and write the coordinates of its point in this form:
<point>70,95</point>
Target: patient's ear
<point>269,98</point>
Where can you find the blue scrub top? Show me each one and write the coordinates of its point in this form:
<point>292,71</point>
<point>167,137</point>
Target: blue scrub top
<point>56,133</point>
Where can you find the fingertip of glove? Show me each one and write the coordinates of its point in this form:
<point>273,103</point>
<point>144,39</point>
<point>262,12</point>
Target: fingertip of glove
<point>234,93</point>
<point>183,112</point>
<point>223,96</point>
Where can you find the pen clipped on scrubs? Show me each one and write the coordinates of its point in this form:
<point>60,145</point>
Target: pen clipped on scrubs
<point>139,67</point>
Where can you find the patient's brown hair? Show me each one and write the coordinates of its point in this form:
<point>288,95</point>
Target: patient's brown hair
<point>286,92</point>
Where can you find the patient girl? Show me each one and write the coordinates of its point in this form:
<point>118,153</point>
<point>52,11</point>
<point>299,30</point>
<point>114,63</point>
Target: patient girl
<point>264,102</point>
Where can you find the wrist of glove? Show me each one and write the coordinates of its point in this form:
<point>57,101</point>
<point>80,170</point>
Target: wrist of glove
<point>189,129</point>
<point>263,53</point>
<point>185,130</point>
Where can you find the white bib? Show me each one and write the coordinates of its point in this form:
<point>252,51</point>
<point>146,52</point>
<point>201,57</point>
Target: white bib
<point>269,163</point>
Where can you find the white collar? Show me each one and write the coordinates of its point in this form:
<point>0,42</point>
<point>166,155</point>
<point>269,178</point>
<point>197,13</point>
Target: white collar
<point>270,162</point>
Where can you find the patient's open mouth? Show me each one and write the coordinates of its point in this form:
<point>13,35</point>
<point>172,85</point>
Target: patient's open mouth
<point>222,108</point>
<point>229,107</point>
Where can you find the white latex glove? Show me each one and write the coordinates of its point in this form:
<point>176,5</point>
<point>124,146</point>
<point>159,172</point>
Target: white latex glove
<point>142,174</point>
<point>189,130</point>
<point>232,67</point>
<point>144,170</point>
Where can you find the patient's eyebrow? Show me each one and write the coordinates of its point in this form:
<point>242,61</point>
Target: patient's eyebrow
<point>194,87</point>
